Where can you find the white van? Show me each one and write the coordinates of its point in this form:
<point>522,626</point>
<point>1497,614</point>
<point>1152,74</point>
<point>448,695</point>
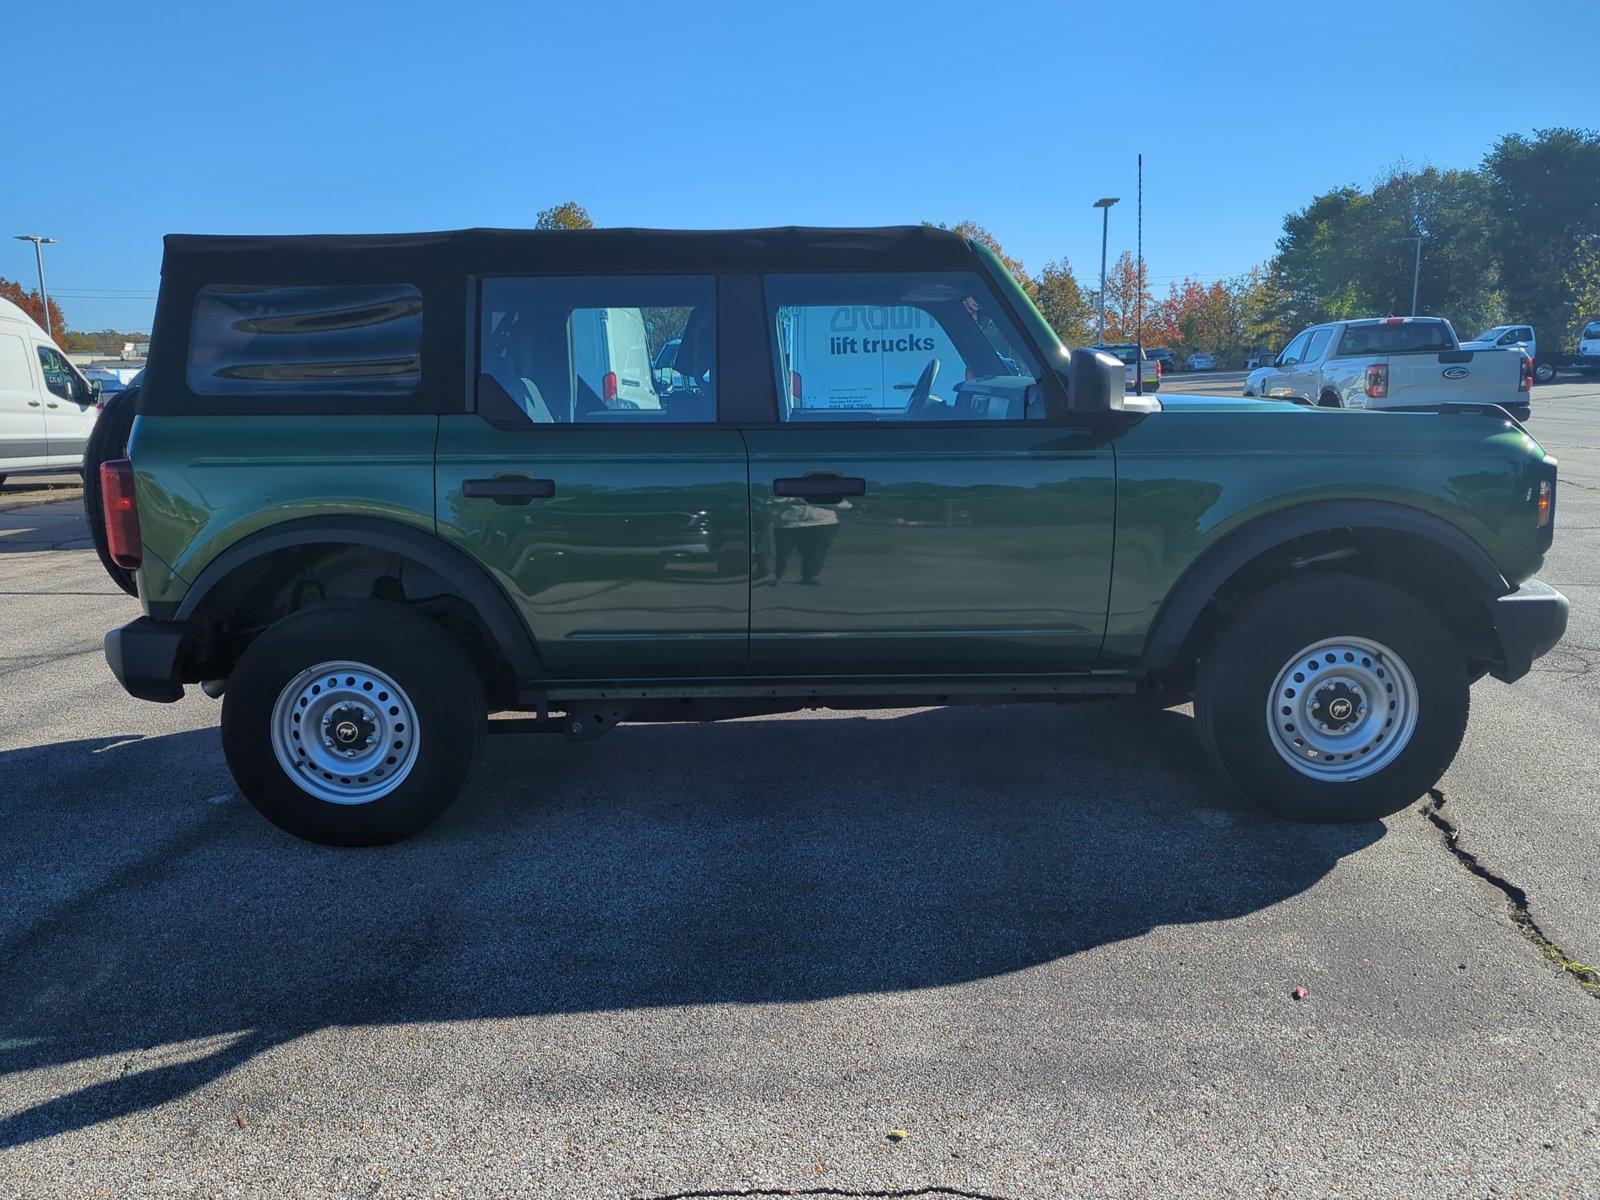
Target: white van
<point>857,356</point>
<point>47,407</point>
<point>1589,347</point>
<point>611,355</point>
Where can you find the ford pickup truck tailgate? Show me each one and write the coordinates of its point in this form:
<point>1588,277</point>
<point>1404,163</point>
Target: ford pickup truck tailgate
<point>1425,377</point>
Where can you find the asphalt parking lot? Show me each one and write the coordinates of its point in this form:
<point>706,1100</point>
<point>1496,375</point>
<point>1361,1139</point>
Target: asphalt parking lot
<point>1047,946</point>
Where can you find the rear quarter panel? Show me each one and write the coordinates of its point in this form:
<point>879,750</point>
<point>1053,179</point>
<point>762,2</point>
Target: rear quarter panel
<point>203,483</point>
<point>1192,474</point>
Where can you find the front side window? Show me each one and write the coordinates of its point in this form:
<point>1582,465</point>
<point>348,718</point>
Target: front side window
<point>898,347</point>
<point>568,350</point>
<point>1295,350</point>
<point>57,374</point>
<point>306,340</point>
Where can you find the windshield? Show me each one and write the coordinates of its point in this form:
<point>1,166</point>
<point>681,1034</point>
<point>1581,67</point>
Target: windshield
<point>1592,330</point>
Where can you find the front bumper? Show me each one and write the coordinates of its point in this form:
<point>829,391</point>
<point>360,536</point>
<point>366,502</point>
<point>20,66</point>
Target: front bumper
<point>144,656</point>
<point>1527,623</point>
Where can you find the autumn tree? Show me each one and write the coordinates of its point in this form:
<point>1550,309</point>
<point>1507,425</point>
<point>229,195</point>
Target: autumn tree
<point>974,232</point>
<point>1127,283</point>
<point>567,215</point>
<point>28,302</point>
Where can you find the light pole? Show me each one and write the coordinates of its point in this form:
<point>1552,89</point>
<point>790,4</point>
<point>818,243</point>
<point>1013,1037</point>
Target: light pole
<point>39,243</point>
<point>1105,226</point>
<point>1416,272</point>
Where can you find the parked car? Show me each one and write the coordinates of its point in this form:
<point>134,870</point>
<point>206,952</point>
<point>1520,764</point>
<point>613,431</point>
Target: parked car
<point>1201,361</point>
<point>1258,358</point>
<point>1588,357</point>
<point>1127,353</point>
<point>1520,337</point>
<point>1164,356</point>
<point>1393,362</point>
<point>47,407</point>
<point>363,562</point>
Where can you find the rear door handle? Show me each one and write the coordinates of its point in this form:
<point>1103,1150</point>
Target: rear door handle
<point>509,489</point>
<point>821,488</point>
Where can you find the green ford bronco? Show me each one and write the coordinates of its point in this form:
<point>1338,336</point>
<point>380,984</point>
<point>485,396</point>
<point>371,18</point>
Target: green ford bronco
<point>379,487</point>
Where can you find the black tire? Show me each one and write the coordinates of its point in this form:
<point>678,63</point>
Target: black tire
<point>442,686</point>
<point>1544,372</point>
<point>1241,666</point>
<point>108,441</point>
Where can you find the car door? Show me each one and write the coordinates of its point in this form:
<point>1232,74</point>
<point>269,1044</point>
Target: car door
<point>1304,380</point>
<point>22,441</point>
<point>914,508</point>
<point>69,408</point>
<point>1276,382</point>
<point>619,523</point>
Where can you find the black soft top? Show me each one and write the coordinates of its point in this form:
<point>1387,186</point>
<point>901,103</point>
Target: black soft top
<point>221,258</point>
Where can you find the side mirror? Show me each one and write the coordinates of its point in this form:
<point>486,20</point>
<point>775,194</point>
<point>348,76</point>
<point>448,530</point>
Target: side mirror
<point>1094,383</point>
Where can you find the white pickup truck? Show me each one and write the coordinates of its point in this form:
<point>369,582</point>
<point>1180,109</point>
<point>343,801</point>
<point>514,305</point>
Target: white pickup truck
<point>1393,362</point>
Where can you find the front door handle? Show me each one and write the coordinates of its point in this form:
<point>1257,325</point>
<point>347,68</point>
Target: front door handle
<point>823,489</point>
<point>509,489</point>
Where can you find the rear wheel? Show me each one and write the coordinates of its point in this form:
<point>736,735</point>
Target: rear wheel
<point>1333,698</point>
<point>1544,372</point>
<point>352,723</point>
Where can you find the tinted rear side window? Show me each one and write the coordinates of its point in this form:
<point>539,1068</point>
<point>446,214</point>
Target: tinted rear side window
<point>582,350</point>
<point>306,340</point>
<point>1398,338</point>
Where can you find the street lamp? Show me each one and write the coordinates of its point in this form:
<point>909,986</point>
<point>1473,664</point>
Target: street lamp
<point>1416,272</point>
<point>1104,205</point>
<point>38,253</point>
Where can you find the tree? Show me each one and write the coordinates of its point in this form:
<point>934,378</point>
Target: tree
<point>1061,301</point>
<point>1546,202</point>
<point>1127,284</point>
<point>28,302</point>
<point>1346,254</point>
<point>974,232</point>
<point>567,215</point>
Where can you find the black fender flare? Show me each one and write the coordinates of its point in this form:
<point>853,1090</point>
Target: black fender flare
<point>477,586</point>
<point>1206,575</point>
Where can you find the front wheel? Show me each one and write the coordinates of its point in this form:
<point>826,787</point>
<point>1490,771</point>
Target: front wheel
<point>352,723</point>
<point>1333,698</point>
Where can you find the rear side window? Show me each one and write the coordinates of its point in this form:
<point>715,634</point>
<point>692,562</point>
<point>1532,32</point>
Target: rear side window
<point>1398,338</point>
<point>1317,344</point>
<point>570,350</point>
<point>898,347</point>
<point>306,340</point>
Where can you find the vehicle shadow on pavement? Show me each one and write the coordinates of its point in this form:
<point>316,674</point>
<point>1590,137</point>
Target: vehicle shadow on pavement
<point>765,860</point>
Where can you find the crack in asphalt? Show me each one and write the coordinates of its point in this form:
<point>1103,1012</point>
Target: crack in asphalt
<point>1585,975</point>
<point>855,1194</point>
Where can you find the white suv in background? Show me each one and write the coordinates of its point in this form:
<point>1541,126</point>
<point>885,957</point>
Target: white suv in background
<point>47,407</point>
<point>1589,348</point>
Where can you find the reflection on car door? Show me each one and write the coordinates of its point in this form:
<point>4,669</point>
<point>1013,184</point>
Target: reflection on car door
<point>975,539</point>
<point>621,532</point>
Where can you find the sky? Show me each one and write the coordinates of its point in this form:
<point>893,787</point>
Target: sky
<point>327,117</point>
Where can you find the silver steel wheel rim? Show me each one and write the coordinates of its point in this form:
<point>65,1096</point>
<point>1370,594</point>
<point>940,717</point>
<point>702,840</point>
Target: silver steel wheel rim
<point>345,732</point>
<point>1342,709</point>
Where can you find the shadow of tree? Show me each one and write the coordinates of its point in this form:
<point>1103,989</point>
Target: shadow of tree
<point>774,860</point>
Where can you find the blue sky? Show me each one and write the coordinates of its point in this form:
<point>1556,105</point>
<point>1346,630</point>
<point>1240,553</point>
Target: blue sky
<point>332,117</point>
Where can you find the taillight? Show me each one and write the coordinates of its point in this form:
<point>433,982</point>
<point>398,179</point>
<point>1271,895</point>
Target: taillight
<point>121,512</point>
<point>1525,382</point>
<point>1158,370</point>
<point>794,385</point>
<point>1547,503</point>
<point>1378,381</point>
<point>608,387</point>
